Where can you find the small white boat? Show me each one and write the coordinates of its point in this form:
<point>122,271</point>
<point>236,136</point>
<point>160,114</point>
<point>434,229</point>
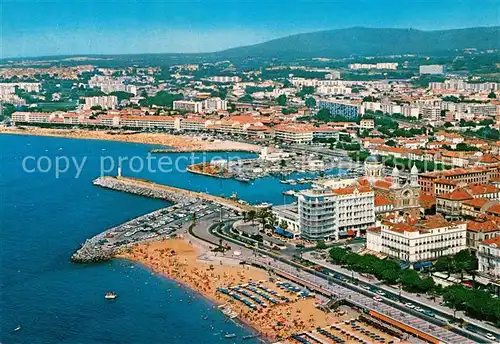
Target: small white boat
<point>230,335</point>
<point>17,328</point>
<point>110,295</point>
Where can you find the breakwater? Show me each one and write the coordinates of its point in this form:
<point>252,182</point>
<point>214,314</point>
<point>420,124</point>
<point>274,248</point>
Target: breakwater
<point>157,225</point>
<point>153,190</point>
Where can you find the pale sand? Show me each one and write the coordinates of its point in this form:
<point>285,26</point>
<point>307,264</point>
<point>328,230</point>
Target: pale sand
<point>205,277</point>
<point>177,142</point>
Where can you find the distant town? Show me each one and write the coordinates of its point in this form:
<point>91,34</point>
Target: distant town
<point>416,137</point>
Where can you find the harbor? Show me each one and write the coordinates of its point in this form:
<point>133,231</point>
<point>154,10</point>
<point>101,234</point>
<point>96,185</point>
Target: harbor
<point>158,225</point>
<point>291,167</point>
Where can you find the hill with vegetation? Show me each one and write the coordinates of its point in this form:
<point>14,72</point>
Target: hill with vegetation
<point>372,42</point>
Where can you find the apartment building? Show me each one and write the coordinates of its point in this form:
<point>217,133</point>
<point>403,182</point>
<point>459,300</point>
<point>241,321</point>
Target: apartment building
<point>329,213</point>
<point>296,133</point>
<point>338,108</point>
<point>10,87</point>
<point>380,65</point>
<point>225,79</point>
<point>489,257</point>
<point>188,105</point>
<point>214,104</point>
<point>194,124</point>
<point>474,174</point>
<point>31,117</point>
<point>150,122</point>
<point>426,240</point>
<point>432,69</point>
<point>461,85</point>
<point>430,113</point>
<point>367,124</point>
<point>482,228</point>
<point>105,102</point>
<point>288,216</point>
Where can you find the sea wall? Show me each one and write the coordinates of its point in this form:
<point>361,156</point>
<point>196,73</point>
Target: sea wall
<point>141,188</point>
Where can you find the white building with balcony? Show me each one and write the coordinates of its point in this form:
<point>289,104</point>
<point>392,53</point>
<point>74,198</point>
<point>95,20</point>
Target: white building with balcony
<point>427,240</point>
<point>489,257</point>
<point>330,213</point>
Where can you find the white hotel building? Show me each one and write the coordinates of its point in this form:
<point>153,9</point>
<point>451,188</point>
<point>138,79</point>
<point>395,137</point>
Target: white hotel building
<point>427,240</point>
<point>329,213</point>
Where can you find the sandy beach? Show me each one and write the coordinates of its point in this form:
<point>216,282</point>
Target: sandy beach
<point>176,142</point>
<point>180,260</point>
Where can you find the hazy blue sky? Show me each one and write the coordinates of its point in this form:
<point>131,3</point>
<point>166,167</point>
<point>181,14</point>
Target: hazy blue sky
<point>37,28</point>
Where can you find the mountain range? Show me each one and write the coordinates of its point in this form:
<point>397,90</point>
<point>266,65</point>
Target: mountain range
<point>371,42</point>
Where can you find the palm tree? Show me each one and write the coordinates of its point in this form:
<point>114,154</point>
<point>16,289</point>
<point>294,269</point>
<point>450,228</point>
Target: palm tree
<point>251,215</point>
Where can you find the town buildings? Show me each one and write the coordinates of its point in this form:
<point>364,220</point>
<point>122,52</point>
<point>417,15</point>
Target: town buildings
<point>424,240</point>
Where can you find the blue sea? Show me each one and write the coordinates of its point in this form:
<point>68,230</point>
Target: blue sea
<point>45,216</point>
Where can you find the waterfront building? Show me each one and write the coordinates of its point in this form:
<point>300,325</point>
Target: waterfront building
<point>296,133</point>
<point>489,257</point>
<point>105,102</point>
<point>339,108</point>
<point>32,117</point>
<point>326,214</point>
<point>150,122</point>
<point>425,240</point>
<point>287,216</point>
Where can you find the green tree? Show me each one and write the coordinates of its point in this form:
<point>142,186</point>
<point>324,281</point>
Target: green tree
<point>492,95</point>
<point>251,215</point>
<point>320,245</point>
<point>310,102</point>
<point>281,100</point>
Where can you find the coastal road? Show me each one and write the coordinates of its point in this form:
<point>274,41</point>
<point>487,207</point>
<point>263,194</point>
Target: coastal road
<point>446,312</point>
<point>347,292</point>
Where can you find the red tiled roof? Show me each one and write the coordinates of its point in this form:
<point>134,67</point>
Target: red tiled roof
<point>383,184</point>
<point>494,209</point>
<point>456,195</point>
<point>485,226</point>
<point>476,202</point>
<point>493,241</point>
<point>481,189</point>
<point>426,200</point>
<point>381,200</point>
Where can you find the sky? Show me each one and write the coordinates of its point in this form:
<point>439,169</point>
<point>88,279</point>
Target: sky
<point>75,27</point>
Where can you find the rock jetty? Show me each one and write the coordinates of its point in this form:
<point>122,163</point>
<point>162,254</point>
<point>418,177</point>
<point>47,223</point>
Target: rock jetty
<point>141,189</point>
<point>92,252</point>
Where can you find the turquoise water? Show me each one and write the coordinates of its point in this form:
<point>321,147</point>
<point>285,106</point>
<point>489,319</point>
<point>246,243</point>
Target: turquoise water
<point>44,218</point>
